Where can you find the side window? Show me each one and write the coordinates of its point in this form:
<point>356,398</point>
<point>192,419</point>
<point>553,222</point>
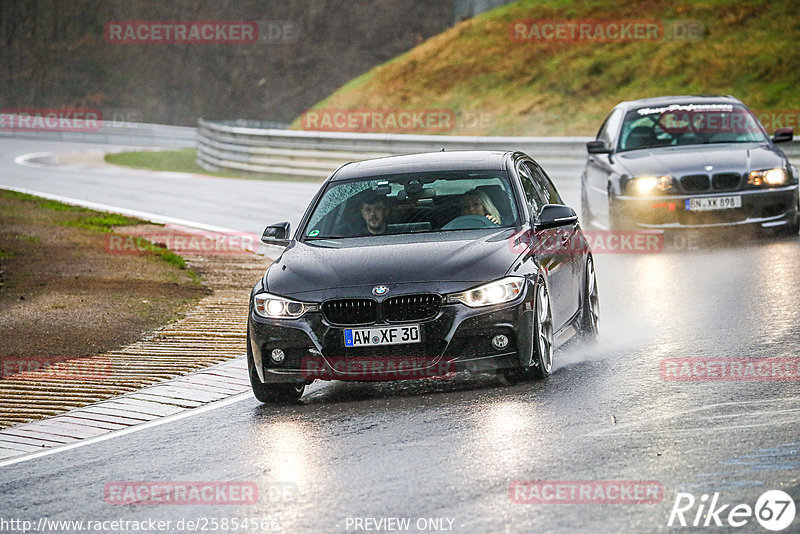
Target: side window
<point>610,127</point>
<point>543,185</point>
<point>533,194</point>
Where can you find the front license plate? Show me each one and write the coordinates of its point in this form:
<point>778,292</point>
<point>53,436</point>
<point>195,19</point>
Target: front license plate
<point>390,335</point>
<point>713,203</point>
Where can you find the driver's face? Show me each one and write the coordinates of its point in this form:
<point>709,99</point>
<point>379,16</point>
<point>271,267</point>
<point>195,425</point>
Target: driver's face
<point>375,217</point>
<point>472,205</point>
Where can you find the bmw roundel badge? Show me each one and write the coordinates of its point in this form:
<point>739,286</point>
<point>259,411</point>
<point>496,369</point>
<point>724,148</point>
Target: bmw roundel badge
<point>380,290</point>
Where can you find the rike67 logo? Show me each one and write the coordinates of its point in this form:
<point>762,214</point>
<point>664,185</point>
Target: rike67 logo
<point>774,510</point>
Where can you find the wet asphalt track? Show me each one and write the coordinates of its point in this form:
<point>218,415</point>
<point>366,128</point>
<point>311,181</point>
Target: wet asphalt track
<point>452,448</point>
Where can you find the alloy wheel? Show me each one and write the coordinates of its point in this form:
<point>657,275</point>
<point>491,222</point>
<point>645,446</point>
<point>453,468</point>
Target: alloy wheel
<point>544,330</point>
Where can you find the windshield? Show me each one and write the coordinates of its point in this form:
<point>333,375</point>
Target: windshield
<point>413,203</point>
<point>688,124</point>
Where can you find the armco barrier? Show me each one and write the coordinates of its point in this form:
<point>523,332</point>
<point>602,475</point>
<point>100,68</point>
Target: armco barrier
<point>226,145</point>
<point>111,132</point>
<point>223,145</point>
<point>267,148</point>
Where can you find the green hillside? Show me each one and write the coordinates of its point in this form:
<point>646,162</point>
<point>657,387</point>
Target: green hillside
<point>497,85</point>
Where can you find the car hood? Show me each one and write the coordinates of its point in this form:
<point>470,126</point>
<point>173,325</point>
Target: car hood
<point>682,160</point>
<point>405,264</point>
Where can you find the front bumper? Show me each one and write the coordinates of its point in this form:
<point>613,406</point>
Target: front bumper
<point>457,339</point>
<point>766,208</point>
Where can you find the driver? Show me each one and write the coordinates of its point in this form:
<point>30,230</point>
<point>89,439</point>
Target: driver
<point>374,208</point>
<point>476,202</point>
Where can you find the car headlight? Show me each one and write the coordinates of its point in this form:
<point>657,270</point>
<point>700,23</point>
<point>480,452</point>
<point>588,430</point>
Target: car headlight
<point>648,184</point>
<point>497,292</point>
<point>775,176</point>
<point>275,307</point>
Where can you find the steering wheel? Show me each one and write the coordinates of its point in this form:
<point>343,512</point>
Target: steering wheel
<point>469,222</point>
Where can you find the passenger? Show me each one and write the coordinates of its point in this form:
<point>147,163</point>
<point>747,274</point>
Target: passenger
<point>476,202</point>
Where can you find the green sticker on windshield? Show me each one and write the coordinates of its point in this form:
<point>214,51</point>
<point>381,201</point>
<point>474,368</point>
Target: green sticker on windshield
<point>313,233</point>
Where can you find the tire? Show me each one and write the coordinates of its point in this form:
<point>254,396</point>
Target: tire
<point>277,393</point>
<point>539,362</point>
<point>789,230</point>
<point>794,228</point>
<point>542,354</point>
<point>591,304</point>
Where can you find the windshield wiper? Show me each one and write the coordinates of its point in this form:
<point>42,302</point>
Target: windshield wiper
<point>322,238</point>
<point>727,141</point>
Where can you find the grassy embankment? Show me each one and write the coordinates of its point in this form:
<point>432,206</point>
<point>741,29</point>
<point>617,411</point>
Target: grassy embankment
<point>65,291</point>
<point>551,88</point>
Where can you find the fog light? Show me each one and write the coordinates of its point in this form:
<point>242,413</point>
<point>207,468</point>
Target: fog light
<point>500,341</point>
<point>278,356</point>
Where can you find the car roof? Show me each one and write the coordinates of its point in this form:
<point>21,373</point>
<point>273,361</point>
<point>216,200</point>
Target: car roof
<point>682,99</point>
<point>426,162</point>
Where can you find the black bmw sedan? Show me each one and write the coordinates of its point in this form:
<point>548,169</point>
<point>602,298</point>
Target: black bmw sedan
<point>688,162</point>
<point>422,266</point>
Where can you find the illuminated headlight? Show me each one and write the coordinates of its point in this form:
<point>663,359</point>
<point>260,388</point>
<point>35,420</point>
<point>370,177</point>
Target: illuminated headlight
<point>275,307</point>
<point>769,177</point>
<point>497,292</point>
<point>649,184</point>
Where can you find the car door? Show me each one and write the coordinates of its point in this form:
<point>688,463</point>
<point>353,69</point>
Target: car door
<point>599,169</point>
<point>546,247</point>
<point>570,257</point>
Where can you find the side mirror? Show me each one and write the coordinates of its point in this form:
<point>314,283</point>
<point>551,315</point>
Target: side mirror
<point>783,135</point>
<point>555,215</point>
<point>277,234</point>
<point>598,147</point>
